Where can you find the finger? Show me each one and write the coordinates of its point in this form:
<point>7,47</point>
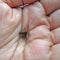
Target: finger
<point>50,5</point>
<point>15,3</point>
<point>54,19</point>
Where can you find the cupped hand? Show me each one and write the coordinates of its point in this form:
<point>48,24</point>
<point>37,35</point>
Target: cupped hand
<point>29,32</point>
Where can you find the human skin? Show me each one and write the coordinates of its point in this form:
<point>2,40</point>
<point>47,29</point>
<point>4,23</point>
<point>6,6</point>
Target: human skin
<point>42,21</point>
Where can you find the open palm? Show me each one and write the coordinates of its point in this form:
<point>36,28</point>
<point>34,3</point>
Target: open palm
<point>41,19</point>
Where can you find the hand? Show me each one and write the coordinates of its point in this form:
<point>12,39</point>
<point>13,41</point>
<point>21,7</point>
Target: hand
<point>40,21</point>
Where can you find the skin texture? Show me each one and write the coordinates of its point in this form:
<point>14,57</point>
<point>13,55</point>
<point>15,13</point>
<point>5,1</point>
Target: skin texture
<point>42,21</point>
<point>16,3</point>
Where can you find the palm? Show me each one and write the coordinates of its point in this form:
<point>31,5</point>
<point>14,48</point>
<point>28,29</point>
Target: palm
<point>43,41</point>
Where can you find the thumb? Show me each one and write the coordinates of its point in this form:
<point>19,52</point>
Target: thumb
<point>16,3</point>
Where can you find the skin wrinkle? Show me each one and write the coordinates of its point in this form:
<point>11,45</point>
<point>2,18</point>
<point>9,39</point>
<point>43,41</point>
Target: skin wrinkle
<point>8,37</point>
<point>51,21</point>
<point>10,2</point>
<point>17,43</point>
<point>53,4</point>
<point>27,35</point>
<point>14,50</point>
<point>26,41</point>
<point>11,39</point>
<point>9,46</point>
<point>48,14</point>
<point>26,38</point>
<point>8,41</point>
<point>43,7</point>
